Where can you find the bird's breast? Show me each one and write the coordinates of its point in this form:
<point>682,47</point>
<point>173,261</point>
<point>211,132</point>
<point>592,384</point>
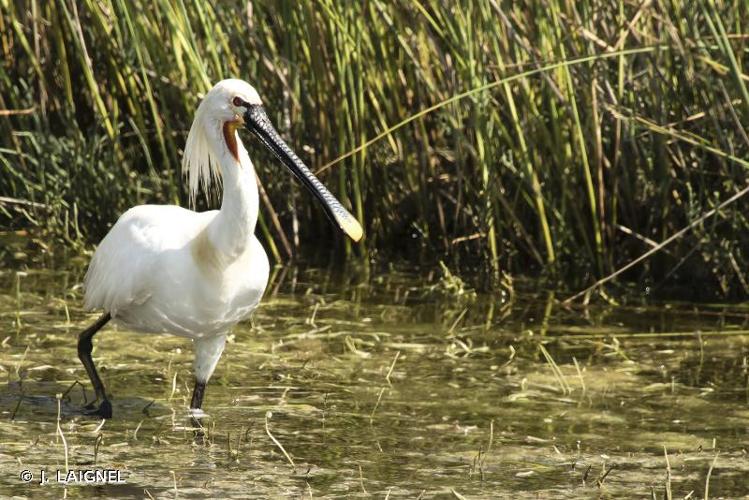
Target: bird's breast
<point>208,259</point>
<point>202,293</point>
<point>233,285</point>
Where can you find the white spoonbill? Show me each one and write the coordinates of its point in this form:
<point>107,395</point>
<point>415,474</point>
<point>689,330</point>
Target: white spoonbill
<point>166,269</point>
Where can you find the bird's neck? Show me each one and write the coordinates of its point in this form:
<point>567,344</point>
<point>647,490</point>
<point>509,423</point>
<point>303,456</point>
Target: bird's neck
<point>234,225</point>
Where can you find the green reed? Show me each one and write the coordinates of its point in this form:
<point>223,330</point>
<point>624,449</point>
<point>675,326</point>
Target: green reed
<point>571,170</point>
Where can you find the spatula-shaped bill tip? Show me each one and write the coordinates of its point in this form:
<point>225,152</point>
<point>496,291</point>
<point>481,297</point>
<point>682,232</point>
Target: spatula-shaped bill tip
<point>349,225</point>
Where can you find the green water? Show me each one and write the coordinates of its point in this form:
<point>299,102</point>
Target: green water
<point>382,387</point>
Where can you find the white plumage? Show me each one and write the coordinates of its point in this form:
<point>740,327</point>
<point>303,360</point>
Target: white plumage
<point>159,271</point>
<point>166,269</point>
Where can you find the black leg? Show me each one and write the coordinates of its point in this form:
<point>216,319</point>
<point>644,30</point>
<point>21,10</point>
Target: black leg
<point>85,346</point>
<point>197,395</point>
<point>195,404</point>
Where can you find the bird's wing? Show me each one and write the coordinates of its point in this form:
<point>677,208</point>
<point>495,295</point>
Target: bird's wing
<point>124,264</point>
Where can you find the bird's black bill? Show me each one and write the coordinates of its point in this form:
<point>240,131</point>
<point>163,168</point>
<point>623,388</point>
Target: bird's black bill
<point>258,123</point>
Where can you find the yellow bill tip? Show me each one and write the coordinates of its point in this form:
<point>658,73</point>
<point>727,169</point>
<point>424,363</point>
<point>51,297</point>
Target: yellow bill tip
<point>350,226</point>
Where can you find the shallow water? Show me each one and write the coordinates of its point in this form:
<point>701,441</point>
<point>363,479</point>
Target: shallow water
<point>384,387</point>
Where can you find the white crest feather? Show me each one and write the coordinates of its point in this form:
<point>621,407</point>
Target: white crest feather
<point>199,163</point>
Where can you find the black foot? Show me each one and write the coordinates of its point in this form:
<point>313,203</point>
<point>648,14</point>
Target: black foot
<point>104,410</point>
<point>199,420</point>
<point>199,435</point>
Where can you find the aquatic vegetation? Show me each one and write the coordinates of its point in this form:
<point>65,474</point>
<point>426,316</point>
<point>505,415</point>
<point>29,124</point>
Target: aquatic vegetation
<point>341,388</point>
<point>601,129</point>
<point>451,286</point>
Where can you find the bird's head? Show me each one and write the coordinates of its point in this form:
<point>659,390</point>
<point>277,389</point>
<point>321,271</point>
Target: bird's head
<point>227,101</point>
<point>234,103</point>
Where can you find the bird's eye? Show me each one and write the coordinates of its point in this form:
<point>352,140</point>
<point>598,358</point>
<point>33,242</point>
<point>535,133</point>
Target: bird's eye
<point>238,101</point>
